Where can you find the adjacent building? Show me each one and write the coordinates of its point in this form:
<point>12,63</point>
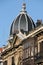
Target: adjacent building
<point>25,43</point>
<point>1,61</point>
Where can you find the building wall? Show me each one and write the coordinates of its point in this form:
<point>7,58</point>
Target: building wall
<point>26,53</point>
<point>1,61</point>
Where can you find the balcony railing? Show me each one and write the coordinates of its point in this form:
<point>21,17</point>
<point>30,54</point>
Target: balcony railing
<point>39,56</point>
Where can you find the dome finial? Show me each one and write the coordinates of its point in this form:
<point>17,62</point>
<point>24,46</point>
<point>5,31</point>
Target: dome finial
<point>24,7</point>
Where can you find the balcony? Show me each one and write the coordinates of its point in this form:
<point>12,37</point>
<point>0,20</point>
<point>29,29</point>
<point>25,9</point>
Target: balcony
<point>39,56</point>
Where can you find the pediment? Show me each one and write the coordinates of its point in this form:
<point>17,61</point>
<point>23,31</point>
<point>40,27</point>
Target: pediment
<point>21,37</point>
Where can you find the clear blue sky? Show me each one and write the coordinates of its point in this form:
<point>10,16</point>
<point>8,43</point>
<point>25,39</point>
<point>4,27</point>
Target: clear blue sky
<point>9,9</point>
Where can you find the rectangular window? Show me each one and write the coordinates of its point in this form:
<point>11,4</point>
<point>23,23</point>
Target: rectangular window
<point>5,63</point>
<point>26,53</point>
<point>41,47</point>
<point>13,61</point>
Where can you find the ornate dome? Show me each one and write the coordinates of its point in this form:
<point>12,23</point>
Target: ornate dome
<point>23,22</point>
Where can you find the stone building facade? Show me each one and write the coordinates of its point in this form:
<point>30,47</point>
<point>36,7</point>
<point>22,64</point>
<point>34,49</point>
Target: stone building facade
<point>1,61</point>
<point>25,43</point>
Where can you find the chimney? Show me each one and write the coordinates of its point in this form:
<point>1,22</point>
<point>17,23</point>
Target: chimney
<point>38,23</point>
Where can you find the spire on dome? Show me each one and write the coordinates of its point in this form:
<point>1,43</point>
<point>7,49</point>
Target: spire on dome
<point>23,8</point>
<point>23,23</point>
